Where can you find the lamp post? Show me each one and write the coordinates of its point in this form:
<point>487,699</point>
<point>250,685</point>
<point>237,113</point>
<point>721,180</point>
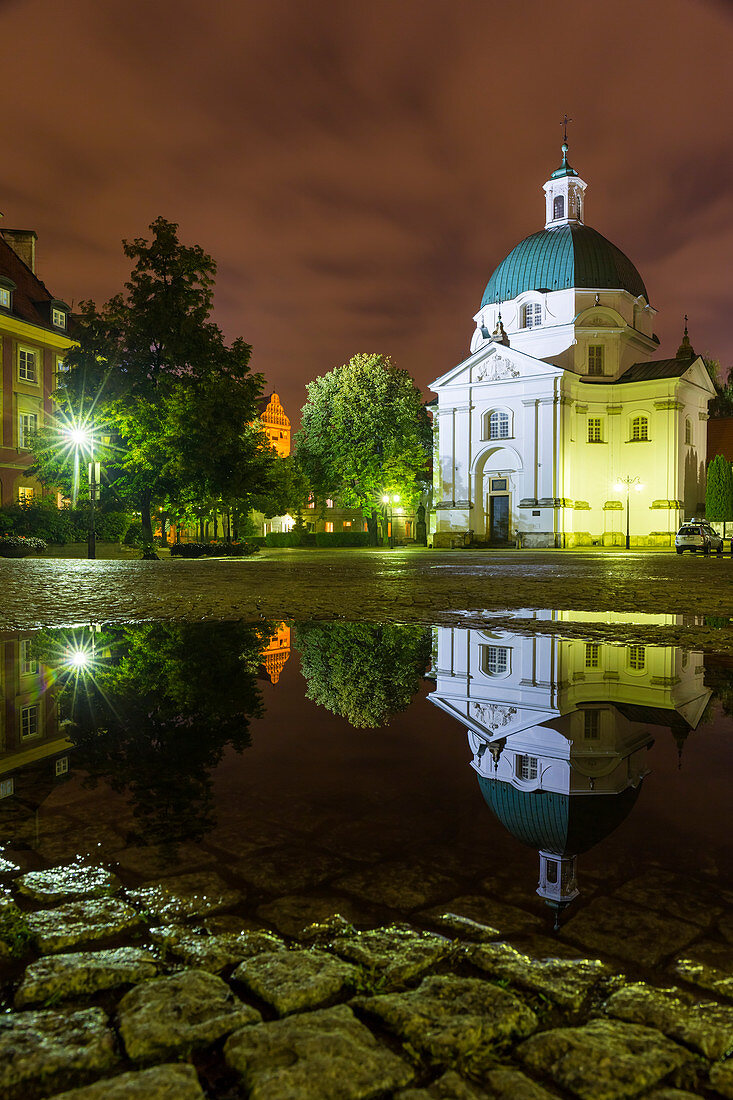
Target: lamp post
<point>388,501</point>
<point>83,439</point>
<point>626,483</point>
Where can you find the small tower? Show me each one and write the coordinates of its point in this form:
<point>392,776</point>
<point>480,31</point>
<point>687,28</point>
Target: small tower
<point>564,192</point>
<point>686,350</point>
<point>558,883</point>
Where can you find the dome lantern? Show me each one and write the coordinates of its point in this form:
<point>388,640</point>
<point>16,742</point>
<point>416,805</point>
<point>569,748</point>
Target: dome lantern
<point>564,194</point>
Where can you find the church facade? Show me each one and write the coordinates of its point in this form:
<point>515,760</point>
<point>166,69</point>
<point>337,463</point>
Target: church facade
<point>564,420</point>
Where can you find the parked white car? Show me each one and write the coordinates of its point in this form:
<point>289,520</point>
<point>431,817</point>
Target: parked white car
<point>698,535</point>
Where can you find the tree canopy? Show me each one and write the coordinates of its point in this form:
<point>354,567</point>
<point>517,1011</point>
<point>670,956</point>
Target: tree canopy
<point>719,490</point>
<point>365,432</point>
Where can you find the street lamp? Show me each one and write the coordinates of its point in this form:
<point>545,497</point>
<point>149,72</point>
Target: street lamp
<point>388,501</point>
<point>83,440</point>
<point>627,483</point>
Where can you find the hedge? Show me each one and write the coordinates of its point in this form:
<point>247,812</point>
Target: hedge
<point>342,538</point>
<point>285,539</point>
<point>213,549</point>
<point>44,520</point>
<point>17,546</point>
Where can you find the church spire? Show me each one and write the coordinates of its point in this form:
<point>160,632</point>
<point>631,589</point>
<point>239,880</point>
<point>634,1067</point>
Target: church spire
<point>565,190</point>
<point>685,350</point>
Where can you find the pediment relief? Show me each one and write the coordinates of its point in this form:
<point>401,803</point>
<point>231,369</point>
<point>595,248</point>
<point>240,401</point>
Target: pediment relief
<point>598,317</point>
<point>496,369</point>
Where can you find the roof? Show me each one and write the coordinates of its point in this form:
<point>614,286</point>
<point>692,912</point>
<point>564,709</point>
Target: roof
<point>30,293</point>
<point>560,258</point>
<point>720,437</point>
<point>645,372</point>
<point>563,824</point>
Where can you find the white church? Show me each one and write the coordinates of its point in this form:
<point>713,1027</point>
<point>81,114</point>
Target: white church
<point>561,419</point>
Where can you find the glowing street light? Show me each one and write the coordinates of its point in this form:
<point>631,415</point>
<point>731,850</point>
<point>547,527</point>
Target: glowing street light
<point>628,483</point>
<point>388,501</point>
<point>82,439</point>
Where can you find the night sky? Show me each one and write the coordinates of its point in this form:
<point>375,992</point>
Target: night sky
<point>358,169</point>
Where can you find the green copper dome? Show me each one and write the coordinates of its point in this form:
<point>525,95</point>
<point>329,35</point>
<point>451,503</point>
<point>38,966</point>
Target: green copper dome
<point>560,258</point>
<point>559,823</point>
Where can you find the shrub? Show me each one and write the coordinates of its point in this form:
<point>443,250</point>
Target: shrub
<point>214,549</point>
<point>134,534</point>
<point>112,526</point>
<point>44,520</point>
<point>342,538</point>
<point>18,546</point>
<point>284,539</point>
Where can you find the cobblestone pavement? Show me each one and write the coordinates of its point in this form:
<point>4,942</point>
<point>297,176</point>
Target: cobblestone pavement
<point>409,586</point>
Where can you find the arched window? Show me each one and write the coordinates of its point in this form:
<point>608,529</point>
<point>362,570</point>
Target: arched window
<point>531,315</point>
<point>558,207</point>
<point>640,428</point>
<point>495,660</point>
<point>498,425</point>
<point>688,430</point>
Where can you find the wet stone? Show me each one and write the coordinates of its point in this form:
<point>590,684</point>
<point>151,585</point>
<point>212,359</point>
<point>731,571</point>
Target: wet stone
<point>291,981</point>
<point>75,880</point>
<point>709,966</point>
<point>83,973</point>
<point>44,1052</point>
<point>605,1060</point>
<point>457,1023</point>
<point>448,1087</point>
<point>292,914</point>
<point>152,862</point>
<point>287,869</point>
<point>80,922</point>
<point>393,955</point>
<point>213,952</point>
<point>672,1094</point>
<point>170,1017</point>
<point>705,1026</point>
<point>480,918</point>
<point>725,924</point>
<point>510,1084</point>
<point>637,935</point>
<point>721,1078</point>
<point>323,1055</point>
<point>168,1082</point>
<point>567,982</point>
<point>696,902</point>
<point>398,885</point>
<point>182,896</point>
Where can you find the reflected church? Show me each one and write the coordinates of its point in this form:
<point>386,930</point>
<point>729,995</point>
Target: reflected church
<point>559,730</point>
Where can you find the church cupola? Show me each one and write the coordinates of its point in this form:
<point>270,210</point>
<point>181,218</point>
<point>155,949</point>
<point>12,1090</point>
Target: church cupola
<point>685,350</point>
<point>564,193</point>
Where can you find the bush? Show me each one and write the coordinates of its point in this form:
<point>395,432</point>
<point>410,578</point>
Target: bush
<point>17,546</point>
<point>112,526</point>
<point>44,520</point>
<point>285,539</point>
<point>214,549</point>
<point>134,534</point>
<point>342,538</point>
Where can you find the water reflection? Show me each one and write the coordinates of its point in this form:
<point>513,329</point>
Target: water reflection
<point>559,732</point>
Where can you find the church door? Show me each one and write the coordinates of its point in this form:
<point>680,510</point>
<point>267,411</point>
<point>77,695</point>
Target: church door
<point>499,518</point>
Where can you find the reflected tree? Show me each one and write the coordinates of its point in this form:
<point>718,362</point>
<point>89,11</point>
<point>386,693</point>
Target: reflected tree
<point>363,672</point>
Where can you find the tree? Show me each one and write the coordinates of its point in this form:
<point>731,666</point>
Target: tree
<point>719,491</point>
<point>154,373</point>
<point>362,672</point>
<point>365,431</point>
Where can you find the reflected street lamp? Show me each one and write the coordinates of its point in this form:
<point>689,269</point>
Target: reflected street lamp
<point>627,483</point>
<point>388,501</point>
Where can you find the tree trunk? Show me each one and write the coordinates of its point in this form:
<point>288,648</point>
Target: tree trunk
<point>145,518</point>
<point>372,527</point>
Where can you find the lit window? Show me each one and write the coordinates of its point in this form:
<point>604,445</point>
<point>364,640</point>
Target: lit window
<point>311,501</point>
<point>329,526</point>
<point>26,494</point>
<point>62,765</point>
<point>329,503</point>
<point>592,655</point>
<point>499,425</point>
<point>637,657</point>
<point>4,298</point>
<point>7,786</point>
<point>58,318</point>
<point>346,524</point>
<point>532,315</point>
<point>640,428</point>
<point>525,767</point>
<point>496,660</point>
<point>28,663</point>
<point>28,722</point>
<point>688,430</point>
<point>26,365</point>
<point>27,428</point>
<point>592,725</point>
<point>595,359</point>
<point>558,207</point>
<point>61,366</point>
<point>595,429</point>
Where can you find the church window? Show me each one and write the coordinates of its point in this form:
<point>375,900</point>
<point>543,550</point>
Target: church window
<point>640,429</point>
<point>558,207</point>
<point>525,767</point>
<point>591,725</point>
<point>532,315</point>
<point>498,425</point>
<point>595,359</point>
<point>592,655</point>
<point>595,429</point>
<point>495,660</point>
<point>637,658</point>
<point>551,871</point>
<point>688,430</point>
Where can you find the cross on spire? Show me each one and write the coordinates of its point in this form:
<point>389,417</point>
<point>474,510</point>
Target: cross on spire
<point>564,125</point>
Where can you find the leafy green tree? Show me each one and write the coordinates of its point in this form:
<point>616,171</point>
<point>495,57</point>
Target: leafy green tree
<point>365,432</point>
<point>362,672</point>
<point>719,491</point>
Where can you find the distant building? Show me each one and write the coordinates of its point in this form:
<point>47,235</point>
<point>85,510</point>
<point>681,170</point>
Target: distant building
<point>33,341</point>
<point>276,653</point>
<point>275,423</point>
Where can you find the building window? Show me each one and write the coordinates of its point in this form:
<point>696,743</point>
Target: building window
<point>595,359</point>
<point>346,525</point>
<point>62,366</point>
<point>688,430</point>
<point>5,298</point>
<point>329,526</point>
<point>558,207</point>
<point>498,425</point>
<point>62,765</point>
<point>595,429</point>
<point>531,315</point>
<point>637,658</point>
<point>591,725</point>
<point>525,767</point>
<point>26,494</point>
<point>640,429</point>
<point>28,722</point>
<point>496,660</point>
<point>58,318</point>
<point>7,786</point>
<point>28,663</point>
<point>311,500</point>
<point>26,365</point>
<point>551,871</point>
<point>329,503</point>
<point>592,655</point>
<point>27,429</point>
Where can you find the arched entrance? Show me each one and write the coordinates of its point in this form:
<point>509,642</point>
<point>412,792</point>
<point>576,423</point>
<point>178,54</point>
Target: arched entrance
<point>496,486</point>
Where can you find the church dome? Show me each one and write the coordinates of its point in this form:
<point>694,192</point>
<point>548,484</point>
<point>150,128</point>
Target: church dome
<point>562,257</point>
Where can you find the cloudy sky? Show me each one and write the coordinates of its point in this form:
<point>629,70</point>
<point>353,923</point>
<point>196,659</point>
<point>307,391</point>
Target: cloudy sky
<point>358,168</point>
